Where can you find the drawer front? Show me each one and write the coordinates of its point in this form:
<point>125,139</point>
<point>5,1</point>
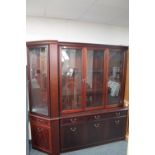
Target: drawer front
<point>41,138</point>
<point>107,115</point>
<point>72,137</point>
<point>116,128</point>
<point>95,117</point>
<point>115,114</point>
<point>40,121</point>
<point>72,120</point>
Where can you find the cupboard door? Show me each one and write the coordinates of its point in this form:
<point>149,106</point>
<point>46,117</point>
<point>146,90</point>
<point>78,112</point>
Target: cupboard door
<point>96,132</point>
<point>116,67</point>
<point>116,128</point>
<point>94,78</point>
<point>41,137</point>
<point>38,74</point>
<point>72,136</point>
<point>70,78</point>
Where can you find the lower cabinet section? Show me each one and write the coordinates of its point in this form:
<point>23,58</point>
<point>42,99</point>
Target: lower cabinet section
<point>79,131</point>
<point>91,133</point>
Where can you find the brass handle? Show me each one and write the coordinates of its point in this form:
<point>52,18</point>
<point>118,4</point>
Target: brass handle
<point>118,114</point>
<point>40,120</point>
<point>97,116</point>
<point>73,129</point>
<point>96,125</point>
<point>39,129</point>
<point>117,122</point>
<point>73,120</point>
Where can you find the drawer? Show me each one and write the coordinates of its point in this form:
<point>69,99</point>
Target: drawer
<point>102,116</point>
<point>95,117</point>
<point>39,121</point>
<point>114,114</point>
<point>72,120</point>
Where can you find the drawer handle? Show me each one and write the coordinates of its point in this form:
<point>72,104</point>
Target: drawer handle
<point>73,129</point>
<point>96,125</point>
<point>39,129</point>
<point>118,114</point>
<point>97,116</point>
<point>117,122</point>
<point>40,120</point>
<point>73,120</point>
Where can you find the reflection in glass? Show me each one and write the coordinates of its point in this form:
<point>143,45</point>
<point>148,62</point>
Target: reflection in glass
<point>94,78</point>
<point>38,79</point>
<point>115,76</point>
<point>71,63</point>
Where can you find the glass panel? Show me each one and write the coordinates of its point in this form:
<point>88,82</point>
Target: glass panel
<point>38,79</point>
<point>94,78</point>
<point>115,76</point>
<point>71,63</point>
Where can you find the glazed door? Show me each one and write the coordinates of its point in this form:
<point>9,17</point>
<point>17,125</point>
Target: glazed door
<point>115,77</point>
<point>70,79</point>
<point>38,76</point>
<point>94,78</point>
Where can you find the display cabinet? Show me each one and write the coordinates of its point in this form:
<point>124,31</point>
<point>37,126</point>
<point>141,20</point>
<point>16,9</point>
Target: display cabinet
<point>76,95</point>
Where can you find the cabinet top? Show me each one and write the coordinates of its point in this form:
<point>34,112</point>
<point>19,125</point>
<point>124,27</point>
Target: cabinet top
<point>62,43</point>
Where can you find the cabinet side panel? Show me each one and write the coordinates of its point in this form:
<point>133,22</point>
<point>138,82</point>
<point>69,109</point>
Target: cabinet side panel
<point>54,79</point>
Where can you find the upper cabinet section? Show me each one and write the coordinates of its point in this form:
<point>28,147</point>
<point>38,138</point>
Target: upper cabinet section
<point>74,77</point>
<point>70,78</point>
<point>115,77</point>
<point>38,76</point>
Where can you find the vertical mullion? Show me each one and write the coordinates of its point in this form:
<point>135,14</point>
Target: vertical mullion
<point>60,79</point>
<point>84,68</point>
<point>48,85</point>
<point>106,73</point>
<point>124,68</point>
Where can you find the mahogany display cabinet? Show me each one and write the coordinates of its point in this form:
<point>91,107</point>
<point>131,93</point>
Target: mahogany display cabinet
<point>76,94</point>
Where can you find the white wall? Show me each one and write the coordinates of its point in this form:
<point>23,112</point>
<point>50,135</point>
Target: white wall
<point>73,31</point>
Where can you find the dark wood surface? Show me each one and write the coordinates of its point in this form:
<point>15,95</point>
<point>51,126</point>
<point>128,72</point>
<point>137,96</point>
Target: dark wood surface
<point>41,133</point>
<point>84,131</point>
<point>55,137</point>
<point>54,79</point>
<point>66,130</point>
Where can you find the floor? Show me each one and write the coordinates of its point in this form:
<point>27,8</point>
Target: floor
<point>116,148</point>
